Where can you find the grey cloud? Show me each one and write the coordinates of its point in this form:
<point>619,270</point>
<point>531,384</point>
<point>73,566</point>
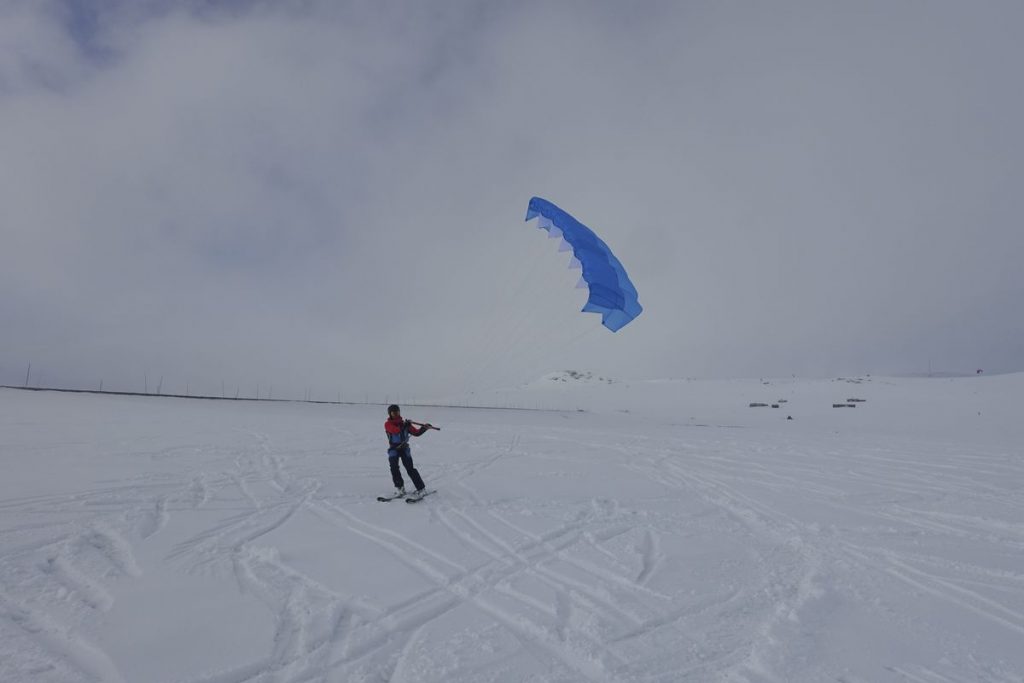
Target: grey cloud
<point>331,195</point>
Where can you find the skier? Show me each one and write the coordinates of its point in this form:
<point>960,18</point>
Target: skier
<point>398,432</point>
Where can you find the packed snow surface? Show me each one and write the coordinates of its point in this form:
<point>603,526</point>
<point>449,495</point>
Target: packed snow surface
<point>632,531</point>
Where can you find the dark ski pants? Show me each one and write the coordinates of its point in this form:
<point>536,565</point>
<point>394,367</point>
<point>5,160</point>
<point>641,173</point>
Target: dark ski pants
<point>396,476</point>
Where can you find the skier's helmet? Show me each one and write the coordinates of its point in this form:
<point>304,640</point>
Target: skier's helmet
<point>394,409</point>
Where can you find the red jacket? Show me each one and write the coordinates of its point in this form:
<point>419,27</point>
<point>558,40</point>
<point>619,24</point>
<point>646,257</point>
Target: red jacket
<point>399,430</point>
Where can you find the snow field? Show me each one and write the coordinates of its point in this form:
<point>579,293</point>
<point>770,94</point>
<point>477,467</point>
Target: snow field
<point>689,539</point>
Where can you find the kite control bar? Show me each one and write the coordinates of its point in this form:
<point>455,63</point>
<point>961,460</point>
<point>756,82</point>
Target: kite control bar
<point>423,424</point>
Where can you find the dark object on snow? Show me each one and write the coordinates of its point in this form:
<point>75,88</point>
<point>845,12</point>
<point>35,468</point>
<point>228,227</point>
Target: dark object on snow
<point>856,400</point>
<point>758,405</point>
<point>775,405</point>
<point>789,417</point>
<point>844,405</point>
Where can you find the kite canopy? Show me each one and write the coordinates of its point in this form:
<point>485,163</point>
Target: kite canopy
<point>611,293</point>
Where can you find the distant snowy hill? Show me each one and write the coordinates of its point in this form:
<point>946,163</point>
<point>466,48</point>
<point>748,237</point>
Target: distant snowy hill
<point>575,377</point>
<point>918,405</point>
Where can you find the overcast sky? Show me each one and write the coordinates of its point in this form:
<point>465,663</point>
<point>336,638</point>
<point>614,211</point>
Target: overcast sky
<point>329,196</point>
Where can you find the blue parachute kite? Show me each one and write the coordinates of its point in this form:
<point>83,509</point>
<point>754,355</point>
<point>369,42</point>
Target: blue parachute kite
<point>611,293</point>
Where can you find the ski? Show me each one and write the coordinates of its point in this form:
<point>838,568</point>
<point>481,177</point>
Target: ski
<point>415,499</point>
<point>385,499</point>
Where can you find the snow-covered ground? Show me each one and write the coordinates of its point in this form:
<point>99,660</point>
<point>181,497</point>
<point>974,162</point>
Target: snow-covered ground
<point>649,531</point>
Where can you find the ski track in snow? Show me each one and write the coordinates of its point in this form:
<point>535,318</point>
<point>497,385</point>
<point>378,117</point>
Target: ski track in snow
<point>729,548</point>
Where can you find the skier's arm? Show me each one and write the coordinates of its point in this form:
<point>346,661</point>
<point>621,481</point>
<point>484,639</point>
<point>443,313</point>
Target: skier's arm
<point>420,428</point>
<point>415,428</point>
